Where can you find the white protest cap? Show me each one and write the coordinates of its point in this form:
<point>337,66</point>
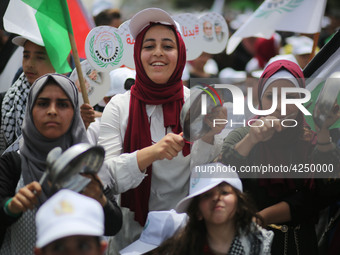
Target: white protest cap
<point>118,78</point>
<point>206,177</point>
<point>143,18</point>
<point>256,74</point>
<point>101,5</point>
<point>68,213</point>
<point>232,75</point>
<point>300,44</point>
<point>20,40</point>
<point>159,226</point>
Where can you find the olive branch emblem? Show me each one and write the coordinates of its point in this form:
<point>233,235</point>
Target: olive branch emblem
<point>98,61</point>
<point>288,7</point>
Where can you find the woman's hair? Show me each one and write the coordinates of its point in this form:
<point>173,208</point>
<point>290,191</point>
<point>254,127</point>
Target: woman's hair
<point>105,17</point>
<point>192,238</point>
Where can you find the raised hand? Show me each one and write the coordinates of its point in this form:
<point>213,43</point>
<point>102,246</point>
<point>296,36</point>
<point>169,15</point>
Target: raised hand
<point>95,189</point>
<point>263,129</point>
<point>25,199</point>
<point>220,113</point>
<point>169,146</point>
<point>87,114</point>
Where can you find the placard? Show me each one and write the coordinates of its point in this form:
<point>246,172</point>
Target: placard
<point>104,48</point>
<point>97,83</point>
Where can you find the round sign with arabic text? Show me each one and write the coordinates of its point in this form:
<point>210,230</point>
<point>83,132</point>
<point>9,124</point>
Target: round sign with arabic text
<point>129,43</point>
<point>104,48</point>
<point>189,27</point>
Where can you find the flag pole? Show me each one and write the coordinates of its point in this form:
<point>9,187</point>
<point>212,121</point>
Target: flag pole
<point>315,44</point>
<point>75,53</point>
<point>78,68</point>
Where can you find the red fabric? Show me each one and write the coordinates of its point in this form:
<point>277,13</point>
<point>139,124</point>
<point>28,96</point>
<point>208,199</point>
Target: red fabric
<point>81,24</point>
<point>276,66</point>
<point>137,136</point>
<point>265,49</point>
<point>279,149</point>
<point>207,250</point>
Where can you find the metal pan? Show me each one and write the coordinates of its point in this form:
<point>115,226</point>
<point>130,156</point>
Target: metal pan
<point>191,118</point>
<point>326,100</point>
<point>63,168</point>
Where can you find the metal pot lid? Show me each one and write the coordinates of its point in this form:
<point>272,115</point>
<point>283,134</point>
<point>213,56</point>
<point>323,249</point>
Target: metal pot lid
<point>63,169</point>
<point>192,119</point>
<point>326,99</point>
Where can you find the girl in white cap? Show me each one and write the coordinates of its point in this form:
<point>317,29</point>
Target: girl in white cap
<point>220,217</point>
<point>70,223</point>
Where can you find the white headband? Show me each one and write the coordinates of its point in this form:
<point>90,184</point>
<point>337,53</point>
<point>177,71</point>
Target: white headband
<point>280,75</point>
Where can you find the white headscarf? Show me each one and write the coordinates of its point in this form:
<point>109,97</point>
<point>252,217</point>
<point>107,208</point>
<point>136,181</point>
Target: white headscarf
<point>280,75</point>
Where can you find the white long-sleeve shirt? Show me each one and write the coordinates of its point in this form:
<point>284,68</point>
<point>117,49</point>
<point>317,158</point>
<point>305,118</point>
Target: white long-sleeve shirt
<point>170,178</point>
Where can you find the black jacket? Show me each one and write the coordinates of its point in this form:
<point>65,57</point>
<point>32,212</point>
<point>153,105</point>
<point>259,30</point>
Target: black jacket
<point>10,172</point>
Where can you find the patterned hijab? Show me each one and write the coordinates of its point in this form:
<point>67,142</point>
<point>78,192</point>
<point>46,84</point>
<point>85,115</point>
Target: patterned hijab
<point>34,147</point>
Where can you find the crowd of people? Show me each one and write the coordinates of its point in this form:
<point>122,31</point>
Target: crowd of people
<point>157,192</point>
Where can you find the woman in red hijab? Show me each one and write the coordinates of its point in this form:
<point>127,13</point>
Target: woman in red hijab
<point>147,159</point>
<point>281,142</point>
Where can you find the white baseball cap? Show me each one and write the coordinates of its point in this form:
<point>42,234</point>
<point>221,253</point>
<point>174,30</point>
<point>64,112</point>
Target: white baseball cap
<point>206,177</point>
<point>159,226</point>
<point>232,76</point>
<point>143,18</point>
<point>118,78</point>
<point>68,213</point>
<point>20,40</point>
<point>101,5</point>
<point>301,44</point>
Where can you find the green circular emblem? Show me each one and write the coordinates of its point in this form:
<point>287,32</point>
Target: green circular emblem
<point>104,48</point>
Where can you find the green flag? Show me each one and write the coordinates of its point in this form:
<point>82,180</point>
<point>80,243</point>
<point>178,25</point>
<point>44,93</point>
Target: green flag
<point>321,67</point>
<point>54,23</point>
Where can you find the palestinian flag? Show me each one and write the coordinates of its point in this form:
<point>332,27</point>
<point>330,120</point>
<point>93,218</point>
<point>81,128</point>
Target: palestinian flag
<point>325,63</point>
